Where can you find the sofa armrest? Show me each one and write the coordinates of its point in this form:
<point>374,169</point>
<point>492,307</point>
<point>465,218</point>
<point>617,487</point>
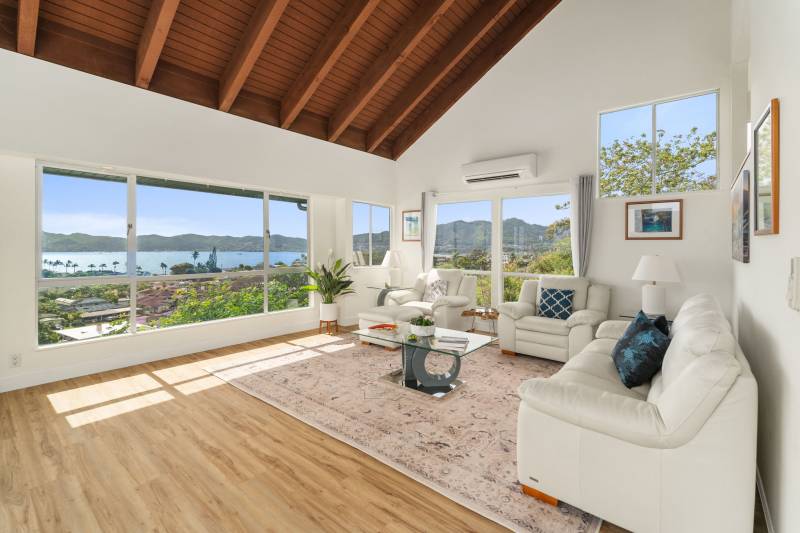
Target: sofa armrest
<point>515,310</point>
<point>628,419</point>
<point>450,301</point>
<point>612,329</point>
<point>401,297</point>
<point>585,316</point>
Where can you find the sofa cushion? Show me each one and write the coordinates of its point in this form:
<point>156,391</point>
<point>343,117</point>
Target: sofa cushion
<point>640,351</point>
<point>709,334</point>
<point>389,314</point>
<point>434,290</point>
<point>555,303</point>
<point>451,276</point>
<point>579,285</point>
<point>426,308</point>
<point>597,370</point>
<point>543,324</point>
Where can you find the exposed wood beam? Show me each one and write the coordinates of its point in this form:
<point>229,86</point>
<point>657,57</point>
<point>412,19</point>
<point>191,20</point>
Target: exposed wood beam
<point>333,45</point>
<point>258,31</point>
<point>410,34</point>
<point>153,38</point>
<point>521,25</point>
<point>27,20</point>
<point>455,50</point>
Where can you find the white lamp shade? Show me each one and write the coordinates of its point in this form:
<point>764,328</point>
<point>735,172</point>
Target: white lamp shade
<point>391,259</point>
<point>656,268</point>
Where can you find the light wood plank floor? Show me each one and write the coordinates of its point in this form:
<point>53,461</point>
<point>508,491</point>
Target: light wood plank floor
<point>166,447</point>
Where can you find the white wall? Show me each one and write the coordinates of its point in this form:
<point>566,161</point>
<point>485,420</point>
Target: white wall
<point>544,97</point>
<point>59,114</point>
<point>768,330</point>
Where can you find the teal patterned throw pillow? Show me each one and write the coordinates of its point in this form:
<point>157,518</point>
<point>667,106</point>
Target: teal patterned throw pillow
<point>556,303</point>
<point>640,351</point>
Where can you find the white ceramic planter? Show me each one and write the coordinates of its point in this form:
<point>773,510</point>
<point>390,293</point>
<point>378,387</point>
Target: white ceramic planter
<point>328,312</point>
<point>423,331</point>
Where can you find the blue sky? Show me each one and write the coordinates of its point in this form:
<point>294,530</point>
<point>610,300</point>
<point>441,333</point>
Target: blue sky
<point>96,207</point>
<point>380,218</point>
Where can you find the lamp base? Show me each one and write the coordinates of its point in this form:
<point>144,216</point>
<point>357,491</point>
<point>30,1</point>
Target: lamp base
<point>654,300</point>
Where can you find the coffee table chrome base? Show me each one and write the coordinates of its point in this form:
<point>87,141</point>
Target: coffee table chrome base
<point>415,376</point>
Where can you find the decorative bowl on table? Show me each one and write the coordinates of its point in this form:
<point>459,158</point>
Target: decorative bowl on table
<point>422,326</point>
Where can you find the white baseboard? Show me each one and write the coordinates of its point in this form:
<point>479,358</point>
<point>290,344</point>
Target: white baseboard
<point>763,497</point>
<point>84,368</point>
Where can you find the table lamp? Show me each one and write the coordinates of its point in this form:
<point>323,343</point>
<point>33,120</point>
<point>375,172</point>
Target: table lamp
<point>391,260</point>
<point>654,269</point>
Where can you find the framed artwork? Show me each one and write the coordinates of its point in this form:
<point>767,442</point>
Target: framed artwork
<point>661,219</point>
<point>740,214</point>
<point>766,171</point>
<point>412,225</point>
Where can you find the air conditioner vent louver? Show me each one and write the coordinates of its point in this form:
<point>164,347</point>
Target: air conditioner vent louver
<point>505,172</point>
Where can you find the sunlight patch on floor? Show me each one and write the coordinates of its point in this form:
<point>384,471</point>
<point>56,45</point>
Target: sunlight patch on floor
<point>105,412</point>
<point>80,397</point>
<point>266,364</point>
<point>313,341</point>
<point>333,348</point>
<point>197,385</point>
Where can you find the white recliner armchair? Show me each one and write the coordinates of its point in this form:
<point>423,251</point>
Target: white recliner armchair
<point>446,310</point>
<point>523,331</point>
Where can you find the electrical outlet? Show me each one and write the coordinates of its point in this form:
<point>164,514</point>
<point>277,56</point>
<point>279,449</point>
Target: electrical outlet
<point>15,360</point>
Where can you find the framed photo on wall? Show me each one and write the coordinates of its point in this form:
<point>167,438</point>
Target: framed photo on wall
<point>661,219</point>
<point>740,215</point>
<point>412,225</point>
<point>766,171</point>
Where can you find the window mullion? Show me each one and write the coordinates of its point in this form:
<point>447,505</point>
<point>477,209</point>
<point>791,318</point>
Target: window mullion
<point>266,252</point>
<point>369,235</point>
<point>131,255</point>
<point>654,142</point>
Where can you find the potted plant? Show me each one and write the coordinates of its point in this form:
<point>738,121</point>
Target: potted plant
<point>422,326</point>
<point>330,282</point>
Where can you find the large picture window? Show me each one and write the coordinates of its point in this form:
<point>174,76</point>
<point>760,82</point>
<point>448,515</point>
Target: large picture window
<point>121,254</point>
<point>660,148</point>
<point>371,233</point>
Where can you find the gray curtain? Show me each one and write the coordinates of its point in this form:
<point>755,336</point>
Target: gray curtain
<point>422,239</point>
<point>585,198</point>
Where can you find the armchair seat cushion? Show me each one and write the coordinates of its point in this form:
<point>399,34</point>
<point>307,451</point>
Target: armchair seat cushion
<point>544,339</point>
<point>425,308</point>
<point>543,324</point>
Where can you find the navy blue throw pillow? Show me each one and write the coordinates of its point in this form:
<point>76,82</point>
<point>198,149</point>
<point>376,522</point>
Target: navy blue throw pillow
<point>662,324</point>
<point>640,351</point>
<point>556,303</point>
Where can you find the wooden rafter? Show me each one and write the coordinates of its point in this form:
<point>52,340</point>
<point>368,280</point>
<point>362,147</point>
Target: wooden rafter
<point>27,20</point>
<point>520,27</point>
<point>154,35</point>
<point>411,33</point>
<point>455,50</point>
<point>244,57</point>
<point>329,51</point>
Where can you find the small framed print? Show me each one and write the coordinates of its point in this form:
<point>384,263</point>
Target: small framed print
<point>412,225</point>
<point>662,219</point>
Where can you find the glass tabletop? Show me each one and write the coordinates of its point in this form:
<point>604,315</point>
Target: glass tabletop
<point>435,343</point>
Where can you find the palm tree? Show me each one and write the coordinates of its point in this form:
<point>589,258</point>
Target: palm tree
<point>103,266</point>
<point>68,265</point>
<point>138,269</point>
<point>75,267</point>
<point>164,268</point>
<point>57,263</point>
<point>91,267</point>
<point>114,264</point>
<point>195,255</point>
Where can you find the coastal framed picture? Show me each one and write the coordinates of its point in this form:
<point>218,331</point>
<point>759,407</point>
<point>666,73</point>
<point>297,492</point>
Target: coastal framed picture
<point>412,225</point>
<point>766,171</point>
<point>740,215</point>
<point>662,219</point>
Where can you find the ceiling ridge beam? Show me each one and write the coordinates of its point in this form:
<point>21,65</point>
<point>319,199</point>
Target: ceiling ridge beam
<point>510,36</point>
<point>154,35</point>
<point>258,32</point>
<point>333,45</point>
<point>454,51</point>
<point>409,36</point>
<point>27,20</point>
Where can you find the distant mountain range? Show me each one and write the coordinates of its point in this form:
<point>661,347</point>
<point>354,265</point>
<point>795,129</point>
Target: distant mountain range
<point>459,236</point>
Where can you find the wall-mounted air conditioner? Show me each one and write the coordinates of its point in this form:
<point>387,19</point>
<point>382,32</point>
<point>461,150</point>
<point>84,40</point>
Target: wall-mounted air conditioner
<point>504,172</point>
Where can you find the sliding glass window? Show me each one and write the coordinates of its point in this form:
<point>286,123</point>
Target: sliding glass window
<point>121,254</point>
<point>371,233</point>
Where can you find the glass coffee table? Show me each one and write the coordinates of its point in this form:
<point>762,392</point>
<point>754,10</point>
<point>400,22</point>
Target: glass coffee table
<point>414,373</point>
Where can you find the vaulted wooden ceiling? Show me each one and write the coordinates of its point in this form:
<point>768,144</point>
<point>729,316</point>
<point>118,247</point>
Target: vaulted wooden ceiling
<point>369,74</point>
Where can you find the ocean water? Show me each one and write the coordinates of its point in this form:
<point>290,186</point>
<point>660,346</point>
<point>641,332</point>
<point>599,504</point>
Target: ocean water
<point>151,261</point>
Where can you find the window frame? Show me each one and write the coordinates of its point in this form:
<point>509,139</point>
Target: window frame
<point>653,155</point>
<point>130,277</point>
<point>369,232</point>
<point>495,197</point>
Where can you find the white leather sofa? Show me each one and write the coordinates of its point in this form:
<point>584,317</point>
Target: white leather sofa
<point>522,331</point>
<point>446,310</point>
<point>674,455</point>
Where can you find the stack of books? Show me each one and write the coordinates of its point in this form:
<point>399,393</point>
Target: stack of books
<point>458,344</point>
